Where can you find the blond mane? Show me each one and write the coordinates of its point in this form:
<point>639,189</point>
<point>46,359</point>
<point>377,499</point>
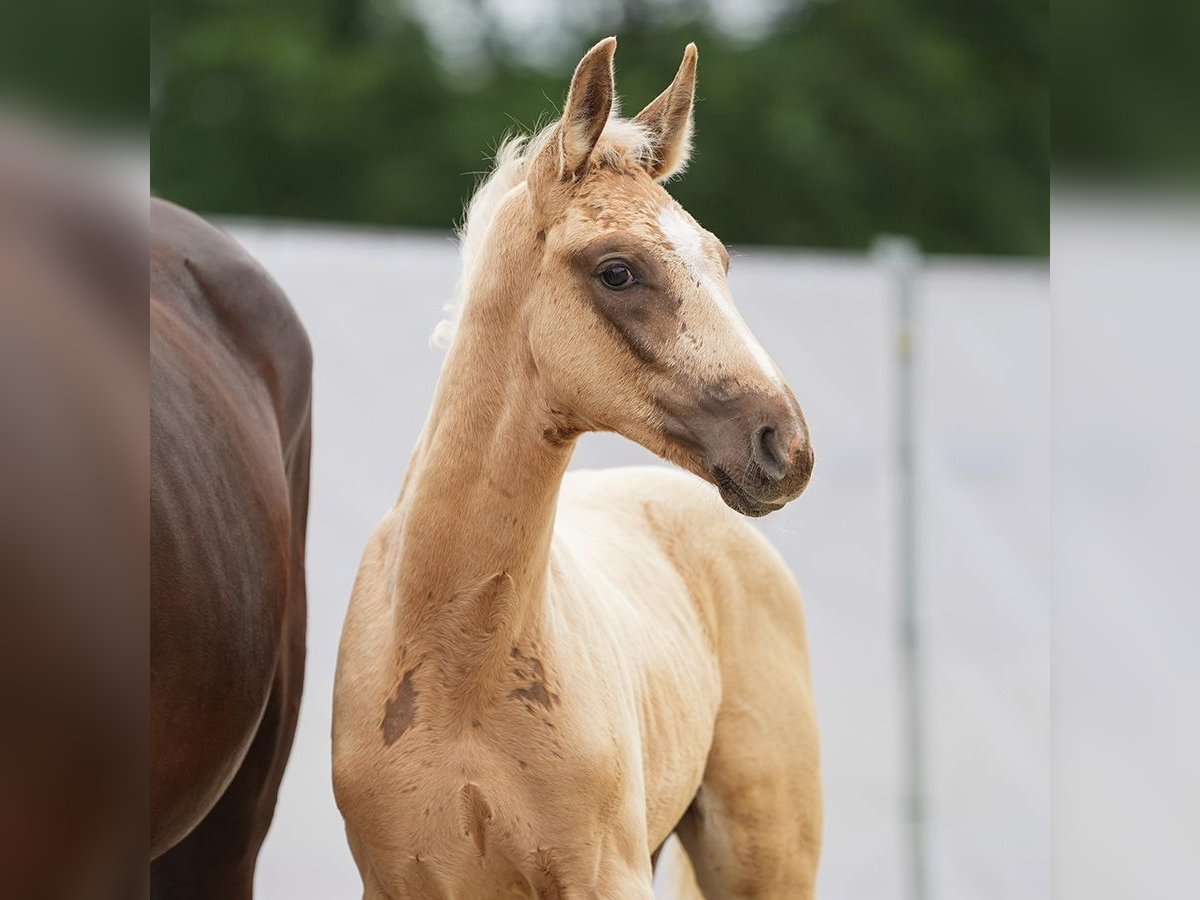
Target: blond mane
<point>621,141</point>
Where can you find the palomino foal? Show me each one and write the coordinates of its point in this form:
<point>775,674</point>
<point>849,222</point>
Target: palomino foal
<point>541,679</point>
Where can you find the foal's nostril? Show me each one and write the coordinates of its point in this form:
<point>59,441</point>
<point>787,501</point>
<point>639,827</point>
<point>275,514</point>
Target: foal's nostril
<point>768,452</point>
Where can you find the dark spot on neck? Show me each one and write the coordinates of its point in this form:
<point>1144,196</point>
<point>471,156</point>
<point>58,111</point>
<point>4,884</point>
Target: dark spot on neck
<point>400,711</point>
<point>536,692</point>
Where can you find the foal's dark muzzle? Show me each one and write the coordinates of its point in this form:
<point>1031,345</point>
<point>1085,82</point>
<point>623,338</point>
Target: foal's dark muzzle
<point>766,484</point>
<point>758,453</point>
<point>754,446</point>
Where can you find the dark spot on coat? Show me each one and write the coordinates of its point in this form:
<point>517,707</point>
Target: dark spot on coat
<point>400,711</point>
<point>536,692</point>
<point>503,490</point>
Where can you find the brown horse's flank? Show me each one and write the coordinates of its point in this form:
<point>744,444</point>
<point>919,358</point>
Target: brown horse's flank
<point>230,397</point>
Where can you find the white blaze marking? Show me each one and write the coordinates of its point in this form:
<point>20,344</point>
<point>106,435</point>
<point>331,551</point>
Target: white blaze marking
<point>688,240</point>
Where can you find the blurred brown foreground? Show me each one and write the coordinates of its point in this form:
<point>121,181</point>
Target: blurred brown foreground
<point>73,525</point>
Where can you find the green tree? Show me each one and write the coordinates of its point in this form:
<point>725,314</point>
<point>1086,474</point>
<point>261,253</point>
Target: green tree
<point>848,119</point>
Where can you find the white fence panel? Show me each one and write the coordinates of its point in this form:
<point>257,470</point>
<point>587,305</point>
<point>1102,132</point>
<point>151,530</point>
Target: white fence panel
<point>371,299</point>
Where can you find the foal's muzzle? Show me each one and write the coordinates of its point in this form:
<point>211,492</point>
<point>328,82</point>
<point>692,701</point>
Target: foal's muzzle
<point>776,471</point>
<point>757,451</point>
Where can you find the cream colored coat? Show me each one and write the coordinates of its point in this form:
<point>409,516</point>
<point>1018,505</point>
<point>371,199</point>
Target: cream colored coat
<point>542,677</point>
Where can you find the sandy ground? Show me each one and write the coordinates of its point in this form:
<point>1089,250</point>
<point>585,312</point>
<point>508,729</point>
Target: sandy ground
<point>371,299</point>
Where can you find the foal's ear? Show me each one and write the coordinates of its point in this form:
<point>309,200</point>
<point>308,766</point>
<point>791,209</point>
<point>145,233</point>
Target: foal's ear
<point>589,102</point>
<point>668,120</point>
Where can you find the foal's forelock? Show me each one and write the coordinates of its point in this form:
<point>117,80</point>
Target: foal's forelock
<point>620,141</point>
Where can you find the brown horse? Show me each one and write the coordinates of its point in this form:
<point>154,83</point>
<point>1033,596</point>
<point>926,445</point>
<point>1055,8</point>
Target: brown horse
<point>230,392</point>
<point>73,523</point>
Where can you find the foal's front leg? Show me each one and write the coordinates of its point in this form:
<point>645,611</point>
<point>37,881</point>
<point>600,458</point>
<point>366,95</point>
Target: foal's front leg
<point>754,828</point>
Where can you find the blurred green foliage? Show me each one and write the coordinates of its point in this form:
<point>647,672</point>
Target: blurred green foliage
<point>847,119</point>
<point>1127,91</point>
<point>76,59</point>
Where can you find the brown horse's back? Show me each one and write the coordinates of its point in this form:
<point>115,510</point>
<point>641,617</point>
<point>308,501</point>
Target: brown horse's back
<point>230,372</point>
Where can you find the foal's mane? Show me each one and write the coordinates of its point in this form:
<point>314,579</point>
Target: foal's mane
<point>621,142</point>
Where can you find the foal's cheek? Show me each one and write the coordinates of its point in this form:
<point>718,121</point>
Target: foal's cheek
<point>646,325</point>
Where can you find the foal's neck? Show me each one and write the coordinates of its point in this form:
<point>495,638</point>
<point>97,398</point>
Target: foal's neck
<point>480,496</point>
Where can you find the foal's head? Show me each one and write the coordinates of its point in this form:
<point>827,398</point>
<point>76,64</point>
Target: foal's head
<point>622,299</point>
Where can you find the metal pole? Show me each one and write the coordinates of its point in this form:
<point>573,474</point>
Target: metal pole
<point>902,260</point>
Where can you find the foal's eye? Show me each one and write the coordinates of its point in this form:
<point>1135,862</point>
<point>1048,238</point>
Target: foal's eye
<point>617,276</point>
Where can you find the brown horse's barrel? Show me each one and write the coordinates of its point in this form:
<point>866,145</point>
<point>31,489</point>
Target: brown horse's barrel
<point>229,446</point>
